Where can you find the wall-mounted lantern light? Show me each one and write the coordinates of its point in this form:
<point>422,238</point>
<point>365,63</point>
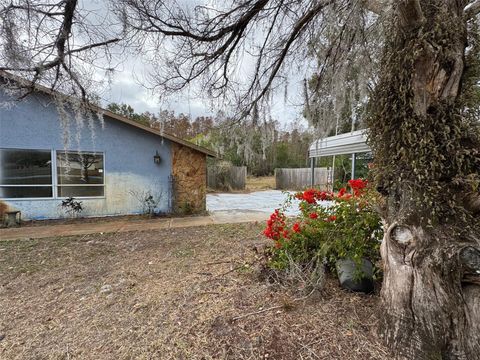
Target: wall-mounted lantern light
<point>156,158</point>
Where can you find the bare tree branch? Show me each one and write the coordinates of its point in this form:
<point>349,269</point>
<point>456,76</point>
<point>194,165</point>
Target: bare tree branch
<point>297,30</point>
<point>59,45</point>
<point>211,45</point>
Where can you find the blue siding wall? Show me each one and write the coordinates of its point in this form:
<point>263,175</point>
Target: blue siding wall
<point>34,123</point>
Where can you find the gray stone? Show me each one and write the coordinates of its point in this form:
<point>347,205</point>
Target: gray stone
<point>105,289</point>
<point>347,269</point>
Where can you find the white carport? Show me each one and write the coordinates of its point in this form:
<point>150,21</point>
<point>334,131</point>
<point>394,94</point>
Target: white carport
<point>349,143</point>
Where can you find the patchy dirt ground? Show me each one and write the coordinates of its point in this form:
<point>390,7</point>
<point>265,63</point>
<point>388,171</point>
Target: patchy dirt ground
<point>101,219</point>
<point>255,183</point>
<point>252,184</point>
<point>170,294</point>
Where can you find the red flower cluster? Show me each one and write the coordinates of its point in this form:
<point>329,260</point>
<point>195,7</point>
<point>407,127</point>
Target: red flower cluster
<point>296,227</point>
<point>343,194</point>
<point>276,226</point>
<point>311,196</point>
<point>331,218</point>
<point>357,186</point>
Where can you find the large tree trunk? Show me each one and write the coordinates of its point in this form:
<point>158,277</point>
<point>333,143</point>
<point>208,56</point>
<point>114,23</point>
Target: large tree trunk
<point>426,153</point>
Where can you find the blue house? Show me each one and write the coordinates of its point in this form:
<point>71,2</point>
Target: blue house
<point>110,163</point>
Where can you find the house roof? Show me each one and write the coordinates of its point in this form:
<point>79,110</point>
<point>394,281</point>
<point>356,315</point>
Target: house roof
<point>112,115</point>
<point>348,143</point>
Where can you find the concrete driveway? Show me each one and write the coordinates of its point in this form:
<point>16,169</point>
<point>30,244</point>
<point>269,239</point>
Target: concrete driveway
<point>255,202</point>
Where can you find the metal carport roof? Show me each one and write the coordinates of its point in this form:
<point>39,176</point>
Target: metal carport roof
<point>348,143</point>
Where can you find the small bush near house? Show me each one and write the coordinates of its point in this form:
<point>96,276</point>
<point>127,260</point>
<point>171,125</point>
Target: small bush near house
<point>332,226</point>
<point>148,201</point>
<point>72,207</point>
<point>186,208</point>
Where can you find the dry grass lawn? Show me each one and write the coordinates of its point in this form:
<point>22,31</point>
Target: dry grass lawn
<point>255,183</point>
<point>169,294</point>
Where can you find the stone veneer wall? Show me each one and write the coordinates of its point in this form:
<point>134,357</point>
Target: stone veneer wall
<point>189,169</point>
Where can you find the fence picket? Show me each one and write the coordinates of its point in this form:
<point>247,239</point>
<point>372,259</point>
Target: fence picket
<point>295,179</point>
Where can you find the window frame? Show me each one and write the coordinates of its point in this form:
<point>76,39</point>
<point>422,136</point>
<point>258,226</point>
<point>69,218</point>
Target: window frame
<point>52,172</point>
<point>55,180</point>
<point>54,184</point>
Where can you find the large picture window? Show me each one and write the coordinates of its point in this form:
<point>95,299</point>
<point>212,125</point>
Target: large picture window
<point>80,174</point>
<point>25,173</point>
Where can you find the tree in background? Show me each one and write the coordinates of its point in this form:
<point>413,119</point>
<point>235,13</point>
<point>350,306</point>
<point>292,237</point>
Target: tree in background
<point>145,118</point>
<point>260,147</point>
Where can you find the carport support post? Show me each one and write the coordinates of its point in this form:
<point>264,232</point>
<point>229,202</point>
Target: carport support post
<point>353,166</point>
<point>312,169</point>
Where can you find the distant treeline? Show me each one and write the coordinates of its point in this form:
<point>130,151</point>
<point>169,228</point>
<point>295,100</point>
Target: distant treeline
<point>261,147</point>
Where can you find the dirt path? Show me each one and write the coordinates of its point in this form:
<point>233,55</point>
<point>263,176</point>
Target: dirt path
<point>168,294</point>
<point>85,226</point>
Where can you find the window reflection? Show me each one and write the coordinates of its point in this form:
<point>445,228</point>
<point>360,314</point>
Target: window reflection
<point>80,174</point>
<point>25,167</point>
<point>74,168</point>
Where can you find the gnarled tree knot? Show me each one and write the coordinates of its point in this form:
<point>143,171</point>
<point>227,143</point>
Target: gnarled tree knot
<point>401,234</point>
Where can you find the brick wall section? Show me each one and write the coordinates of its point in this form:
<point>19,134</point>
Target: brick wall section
<point>189,169</point>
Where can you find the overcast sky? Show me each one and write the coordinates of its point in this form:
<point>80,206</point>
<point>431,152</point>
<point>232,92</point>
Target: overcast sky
<point>126,87</point>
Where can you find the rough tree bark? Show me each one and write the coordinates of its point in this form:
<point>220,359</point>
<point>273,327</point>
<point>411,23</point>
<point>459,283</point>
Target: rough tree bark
<point>431,289</point>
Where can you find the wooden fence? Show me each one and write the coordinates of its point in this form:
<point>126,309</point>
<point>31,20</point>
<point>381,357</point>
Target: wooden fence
<point>296,179</point>
<point>226,178</point>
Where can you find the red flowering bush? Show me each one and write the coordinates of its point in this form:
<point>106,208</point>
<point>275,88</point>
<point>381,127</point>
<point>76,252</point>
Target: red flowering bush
<point>331,226</point>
